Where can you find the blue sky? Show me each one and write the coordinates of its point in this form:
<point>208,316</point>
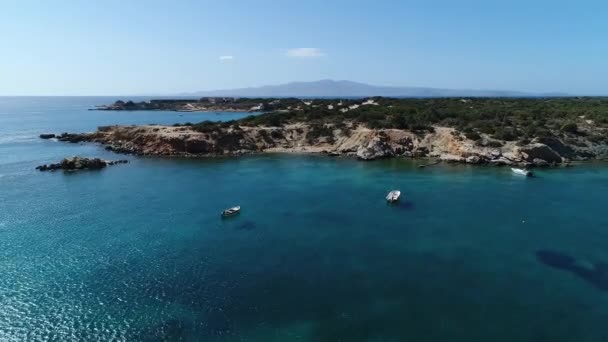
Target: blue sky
<point>163,47</point>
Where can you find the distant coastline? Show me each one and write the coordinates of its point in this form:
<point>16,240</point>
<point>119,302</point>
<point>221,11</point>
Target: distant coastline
<point>208,104</point>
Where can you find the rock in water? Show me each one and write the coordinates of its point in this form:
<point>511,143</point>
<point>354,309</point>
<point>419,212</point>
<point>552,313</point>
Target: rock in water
<point>80,163</point>
<point>47,136</point>
<point>71,137</point>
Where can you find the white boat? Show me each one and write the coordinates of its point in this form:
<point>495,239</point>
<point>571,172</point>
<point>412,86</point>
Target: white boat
<point>522,172</point>
<point>393,196</point>
<point>231,211</point>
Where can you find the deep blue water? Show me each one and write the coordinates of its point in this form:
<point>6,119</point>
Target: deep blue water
<point>137,252</point>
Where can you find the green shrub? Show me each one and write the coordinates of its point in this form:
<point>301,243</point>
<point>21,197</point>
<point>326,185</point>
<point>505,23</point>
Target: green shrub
<point>318,131</point>
<point>507,134</point>
<point>493,143</point>
<point>206,127</point>
<point>570,127</point>
<point>472,135</point>
<point>501,118</point>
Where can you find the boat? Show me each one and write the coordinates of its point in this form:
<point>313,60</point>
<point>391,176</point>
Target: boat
<point>522,172</point>
<point>393,196</point>
<point>231,211</point>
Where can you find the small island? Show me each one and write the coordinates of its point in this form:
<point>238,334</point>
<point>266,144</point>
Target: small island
<point>80,163</point>
<point>494,131</point>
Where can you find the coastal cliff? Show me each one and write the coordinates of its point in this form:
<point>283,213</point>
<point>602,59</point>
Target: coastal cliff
<point>443,143</point>
<point>498,131</point>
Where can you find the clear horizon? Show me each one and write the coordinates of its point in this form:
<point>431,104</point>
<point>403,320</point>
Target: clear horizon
<point>162,48</point>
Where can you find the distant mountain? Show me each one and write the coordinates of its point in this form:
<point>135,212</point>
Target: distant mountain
<point>331,88</point>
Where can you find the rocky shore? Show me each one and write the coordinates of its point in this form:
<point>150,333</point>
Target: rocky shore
<point>445,144</point>
<point>80,163</point>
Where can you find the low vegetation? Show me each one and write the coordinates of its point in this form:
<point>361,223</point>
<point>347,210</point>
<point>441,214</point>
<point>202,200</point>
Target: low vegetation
<point>501,119</point>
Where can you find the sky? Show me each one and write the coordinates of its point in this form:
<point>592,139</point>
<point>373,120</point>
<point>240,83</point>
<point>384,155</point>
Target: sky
<point>150,47</point>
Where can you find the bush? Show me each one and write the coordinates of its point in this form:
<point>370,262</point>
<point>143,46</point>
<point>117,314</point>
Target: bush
<point>493,143</point>
<point>501,118</point>
<point>596,138</point>
<point>570,127</point>
<point>318,131</point>
<point>507,134</point>
<point>472,135</point>
<point>206,127</point>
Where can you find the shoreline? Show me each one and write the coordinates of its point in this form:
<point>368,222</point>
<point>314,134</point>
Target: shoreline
<point>444,144</point>
<point>497,131</point>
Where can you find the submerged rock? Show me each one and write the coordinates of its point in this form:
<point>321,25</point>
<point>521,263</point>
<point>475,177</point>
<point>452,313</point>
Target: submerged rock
<point>595,273</point>
<point>80,163</point>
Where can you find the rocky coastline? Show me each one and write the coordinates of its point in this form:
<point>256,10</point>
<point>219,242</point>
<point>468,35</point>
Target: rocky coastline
<point>443,143</point>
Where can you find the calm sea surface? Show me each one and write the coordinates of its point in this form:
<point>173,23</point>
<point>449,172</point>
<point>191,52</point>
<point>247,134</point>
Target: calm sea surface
<point>138,252</point>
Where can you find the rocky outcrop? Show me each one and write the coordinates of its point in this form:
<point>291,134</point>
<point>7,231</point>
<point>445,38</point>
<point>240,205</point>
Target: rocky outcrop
<point>378,147</point>
<point>80,163</point>
<point>47,136</point>
<point>539,154</point>
<point>71,137</point>
<point>445,144</point>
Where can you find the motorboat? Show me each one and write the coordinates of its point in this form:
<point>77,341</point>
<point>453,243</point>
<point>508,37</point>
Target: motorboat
<point>231,211</point>
<point>522,172</point>
<point>393,196</point>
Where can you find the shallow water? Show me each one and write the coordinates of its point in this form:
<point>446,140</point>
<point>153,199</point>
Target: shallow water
<point>139,252</point>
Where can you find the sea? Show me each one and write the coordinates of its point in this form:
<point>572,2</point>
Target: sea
<point>139,252</point>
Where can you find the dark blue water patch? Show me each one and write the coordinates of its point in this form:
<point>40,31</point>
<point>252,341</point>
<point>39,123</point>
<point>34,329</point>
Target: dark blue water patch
<point>246,225</point>
<point>332,217</point>
<point>403,205</point>
<point>595,274</point>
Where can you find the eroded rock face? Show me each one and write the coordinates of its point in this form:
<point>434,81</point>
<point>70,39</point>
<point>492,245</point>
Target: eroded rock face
<point>361,142</point>
<point>539,152</point>
<point>378,147</point>
<point>80,163</point>
<point>473,160</point>
<point>420,151</point>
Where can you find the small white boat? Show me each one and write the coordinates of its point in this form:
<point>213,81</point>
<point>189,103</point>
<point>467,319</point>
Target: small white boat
<point>231,211</point>
<point>522,172</point>
<point>393,196</point>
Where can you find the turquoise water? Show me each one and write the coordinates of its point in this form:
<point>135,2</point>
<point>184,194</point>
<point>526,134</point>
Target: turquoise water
<point>138,252</point>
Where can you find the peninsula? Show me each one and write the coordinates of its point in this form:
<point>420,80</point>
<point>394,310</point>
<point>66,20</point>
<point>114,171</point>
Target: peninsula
<point>497,131</point>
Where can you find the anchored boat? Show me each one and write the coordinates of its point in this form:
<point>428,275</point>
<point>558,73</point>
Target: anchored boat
<point>393,196</point>
<point>522,172</point>
<point>231,211</point>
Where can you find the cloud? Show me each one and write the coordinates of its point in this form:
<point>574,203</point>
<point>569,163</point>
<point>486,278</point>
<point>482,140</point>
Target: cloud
<point>226,58</point>
<point>305,52</point>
